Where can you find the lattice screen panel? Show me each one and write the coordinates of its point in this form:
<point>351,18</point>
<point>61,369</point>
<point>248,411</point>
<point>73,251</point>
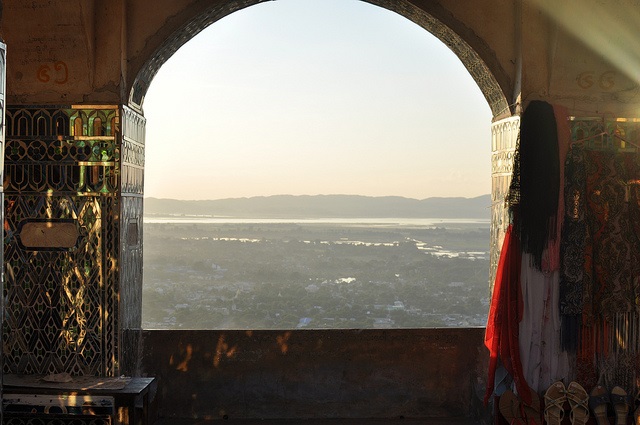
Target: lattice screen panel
<point>619,134</point>
<point>62,178</point>
<point>133,132</point>
<point>52,419</point>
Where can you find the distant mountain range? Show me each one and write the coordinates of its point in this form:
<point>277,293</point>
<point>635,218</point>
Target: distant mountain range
<point>324,206</point>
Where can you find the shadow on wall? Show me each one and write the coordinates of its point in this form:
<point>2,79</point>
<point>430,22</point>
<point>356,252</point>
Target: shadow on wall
<point>411,373</point>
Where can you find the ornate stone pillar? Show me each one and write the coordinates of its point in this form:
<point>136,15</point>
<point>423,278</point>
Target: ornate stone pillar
<point>73,245</point>
<point>3,73</point>
<point>504,134</point>
<point>131,214</point>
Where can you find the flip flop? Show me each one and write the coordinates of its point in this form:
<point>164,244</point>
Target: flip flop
<point>510,408</point>
<point>554,400</point>
<point>532,412</point>
<point>598,401</point>
<point>579,402</point>
<point>620,402</point>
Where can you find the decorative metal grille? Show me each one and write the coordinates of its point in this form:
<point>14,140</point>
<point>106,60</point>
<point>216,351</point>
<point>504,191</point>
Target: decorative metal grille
<point>62,306</point>
<point>62,151</point>
<point>131,262</point>
<point>504,134</point>
<point>614,133</point>
<point>3,73</point>
<point>133,132</point>
<point>52,419</point>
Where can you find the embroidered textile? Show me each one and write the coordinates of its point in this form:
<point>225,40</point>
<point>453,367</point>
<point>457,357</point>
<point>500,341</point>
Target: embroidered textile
<point>551,255</point>
<point>601,298</point>
<point>573,249</point>
<point>616,249</point>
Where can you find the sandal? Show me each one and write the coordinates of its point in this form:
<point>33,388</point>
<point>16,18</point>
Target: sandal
<point>510,408</point>
<point>579,402</point>
<point>532,411</point>
<point>620,402</point>
<point>554,400</point>
<point>598,401</point>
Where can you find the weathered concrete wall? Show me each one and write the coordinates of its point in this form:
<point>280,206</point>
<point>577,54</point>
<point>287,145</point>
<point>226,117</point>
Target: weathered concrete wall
<point>85,51</point>
<point>579,54</point>
<point>423,373</point>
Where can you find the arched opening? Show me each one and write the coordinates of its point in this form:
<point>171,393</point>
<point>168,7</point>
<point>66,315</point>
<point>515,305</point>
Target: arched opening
<point>384,123</point>
<point>474,54</point>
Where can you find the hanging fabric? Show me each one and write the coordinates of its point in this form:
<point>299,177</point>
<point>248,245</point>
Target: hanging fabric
<point>539,180</point>
<point>600,253</point>
<point>543,360</point>
<point>551,254</point>
<point>505,313</point>
<point>616,251</point>
<point>573,249</point>
<point>524,321</point>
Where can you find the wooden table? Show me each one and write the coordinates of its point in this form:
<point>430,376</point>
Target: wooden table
<point>131,395</point>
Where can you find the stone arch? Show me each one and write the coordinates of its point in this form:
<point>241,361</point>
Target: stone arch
<point>475,55</point>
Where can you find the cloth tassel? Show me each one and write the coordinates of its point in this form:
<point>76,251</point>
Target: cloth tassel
<point>609,352</point>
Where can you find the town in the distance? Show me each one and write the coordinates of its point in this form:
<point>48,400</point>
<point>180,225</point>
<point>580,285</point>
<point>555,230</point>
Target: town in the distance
<point>316,262</point>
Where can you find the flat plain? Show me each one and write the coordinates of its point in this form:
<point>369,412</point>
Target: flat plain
<point>314,274</point>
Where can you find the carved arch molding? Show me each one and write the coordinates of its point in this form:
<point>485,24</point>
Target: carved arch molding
<point>480,72</point>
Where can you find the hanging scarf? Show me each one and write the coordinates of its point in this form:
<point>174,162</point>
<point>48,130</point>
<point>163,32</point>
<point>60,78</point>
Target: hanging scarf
<point>609,346</point>
<point>505,313</point>
<point>573,249</point>
<point>616,249</point>
<point>551,254</point>
<point>539,180</point>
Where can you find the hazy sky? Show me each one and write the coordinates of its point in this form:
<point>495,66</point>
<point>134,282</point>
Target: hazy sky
<point>315,97</point>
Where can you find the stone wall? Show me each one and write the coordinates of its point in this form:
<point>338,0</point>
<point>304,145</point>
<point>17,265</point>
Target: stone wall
<point>412,373</point>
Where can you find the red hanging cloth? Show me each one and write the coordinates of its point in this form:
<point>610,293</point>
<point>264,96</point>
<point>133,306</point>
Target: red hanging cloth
<point>505,314</point>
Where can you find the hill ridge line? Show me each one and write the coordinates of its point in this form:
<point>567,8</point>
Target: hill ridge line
<point>342,206</point>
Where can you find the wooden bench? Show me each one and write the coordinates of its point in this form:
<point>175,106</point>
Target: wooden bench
<point>17,418</point>
<point>131,396</point>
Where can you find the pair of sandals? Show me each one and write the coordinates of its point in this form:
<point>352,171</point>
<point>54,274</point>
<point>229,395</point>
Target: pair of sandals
<point>556,396</point>
<point>619,400</point>
<point>517,412</point>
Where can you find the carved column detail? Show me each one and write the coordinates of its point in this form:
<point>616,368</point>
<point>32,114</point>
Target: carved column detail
<point>504,134</point>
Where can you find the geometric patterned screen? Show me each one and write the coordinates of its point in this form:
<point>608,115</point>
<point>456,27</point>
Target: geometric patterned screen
<point>607,134</point>
<point>131,203</point>
<point>62,234</point>
<point>504,135</point>
<point>3,74</point>
<point>132,137</point>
